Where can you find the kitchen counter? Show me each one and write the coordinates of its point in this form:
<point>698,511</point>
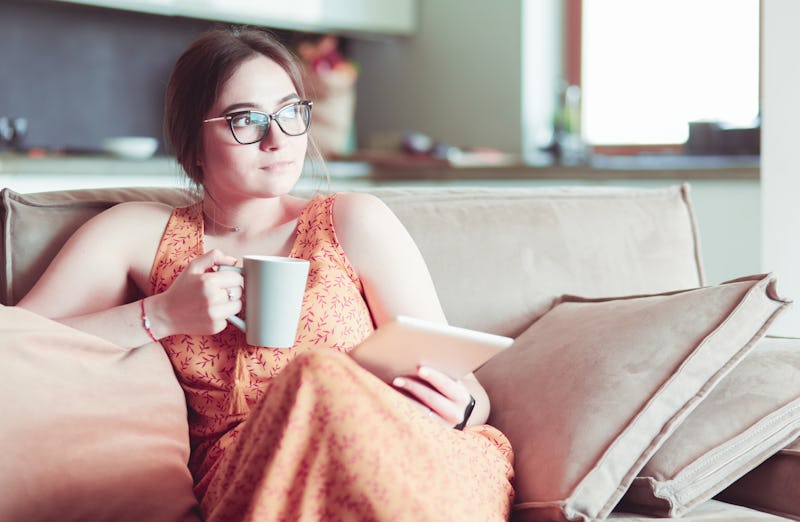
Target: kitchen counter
<point>21,164</point>
<point>27,174</point>
<point>599,168</point>
<point>35,174</point>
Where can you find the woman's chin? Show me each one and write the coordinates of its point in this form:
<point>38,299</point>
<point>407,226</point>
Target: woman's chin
<point>278,185</point>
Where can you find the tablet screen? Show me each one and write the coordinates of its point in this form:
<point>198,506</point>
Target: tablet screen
<point>400,346</point>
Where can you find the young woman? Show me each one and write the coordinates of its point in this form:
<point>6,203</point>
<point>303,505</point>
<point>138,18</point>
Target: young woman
<point>277,434</point>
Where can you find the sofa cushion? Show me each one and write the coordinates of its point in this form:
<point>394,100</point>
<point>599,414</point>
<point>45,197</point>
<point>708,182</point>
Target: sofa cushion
<point>751,414</point>
<point>515,251</point>
<point>774,486</point>
<point>90,431</point>
<point>36,226</point>
<point>589,391</point>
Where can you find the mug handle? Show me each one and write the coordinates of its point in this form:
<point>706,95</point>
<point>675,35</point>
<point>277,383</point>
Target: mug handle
<point>235,320</point>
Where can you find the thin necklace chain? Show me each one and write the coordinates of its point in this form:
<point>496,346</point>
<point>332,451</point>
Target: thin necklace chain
<point>217,224</point>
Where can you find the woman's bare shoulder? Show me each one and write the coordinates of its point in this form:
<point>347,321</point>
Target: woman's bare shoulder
<point>364,222</point>
<point>140,208</point>
<point>359,209</point>
<point>124,228</point>
<point>136,214</point>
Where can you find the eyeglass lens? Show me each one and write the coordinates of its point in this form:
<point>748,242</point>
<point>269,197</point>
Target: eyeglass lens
<point>252,126</point>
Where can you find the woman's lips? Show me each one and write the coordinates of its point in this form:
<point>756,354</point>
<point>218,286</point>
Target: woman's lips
<point>281,166</point>
<point>277,165</point>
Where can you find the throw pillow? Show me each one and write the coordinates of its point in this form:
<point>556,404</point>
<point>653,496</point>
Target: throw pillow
<point>589,391</point>
<point>774,486</point>
<point>751,414</point>
<point>90,431</point>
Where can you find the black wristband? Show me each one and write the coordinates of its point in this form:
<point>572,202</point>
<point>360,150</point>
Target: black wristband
<point>467,414</point>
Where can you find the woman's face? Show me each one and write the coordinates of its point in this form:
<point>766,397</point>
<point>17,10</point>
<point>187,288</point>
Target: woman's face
<point>267,168</point>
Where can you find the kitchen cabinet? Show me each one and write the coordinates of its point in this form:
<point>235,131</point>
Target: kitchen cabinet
<point>392,17</point>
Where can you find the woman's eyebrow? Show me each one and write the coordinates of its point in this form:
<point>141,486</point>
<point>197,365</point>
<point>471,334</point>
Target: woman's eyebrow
<point>250,105</point>
<point>238,106</point>
<point>292,96</point>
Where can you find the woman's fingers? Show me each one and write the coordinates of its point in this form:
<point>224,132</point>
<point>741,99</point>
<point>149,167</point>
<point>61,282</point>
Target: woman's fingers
<point>219,286</point>
<point>210,259</point>
<point>438,392</point>
<point>202,298</point>
<point>233,293</point>
<point>427,397</point>
<point>451,389</point>
<point>224,286</point>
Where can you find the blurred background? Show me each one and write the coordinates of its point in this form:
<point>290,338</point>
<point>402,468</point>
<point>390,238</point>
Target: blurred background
<point>520,77</point>
<point>451,92</point>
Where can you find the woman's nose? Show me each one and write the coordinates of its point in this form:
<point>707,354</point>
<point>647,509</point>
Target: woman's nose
<point>274,139</point>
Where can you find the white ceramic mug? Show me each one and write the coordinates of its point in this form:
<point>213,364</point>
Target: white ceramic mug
<point>273,295</point>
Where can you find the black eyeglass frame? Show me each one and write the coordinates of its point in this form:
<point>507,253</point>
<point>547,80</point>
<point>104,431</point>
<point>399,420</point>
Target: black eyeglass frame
<point>270,118</point>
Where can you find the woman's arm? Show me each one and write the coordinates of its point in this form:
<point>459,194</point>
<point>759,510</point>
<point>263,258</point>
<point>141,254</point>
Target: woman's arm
<point>92,283</point>
<point>396,282</point>
<point>391,268</point>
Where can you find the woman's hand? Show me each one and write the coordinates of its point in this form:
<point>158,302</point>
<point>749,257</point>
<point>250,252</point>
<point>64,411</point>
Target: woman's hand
<point>200,299</point>
<point>442,396</point>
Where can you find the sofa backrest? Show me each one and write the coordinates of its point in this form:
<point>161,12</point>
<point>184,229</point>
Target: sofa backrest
<point>499,257</point>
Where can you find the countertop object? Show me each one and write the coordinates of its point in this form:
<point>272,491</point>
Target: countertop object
<point>131,147</point>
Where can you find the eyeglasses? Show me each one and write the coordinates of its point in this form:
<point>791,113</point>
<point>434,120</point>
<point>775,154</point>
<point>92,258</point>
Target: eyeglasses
<point>252,126</point>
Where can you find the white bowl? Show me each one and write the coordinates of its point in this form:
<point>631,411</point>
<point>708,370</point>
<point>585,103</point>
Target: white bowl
<point>131,147</point>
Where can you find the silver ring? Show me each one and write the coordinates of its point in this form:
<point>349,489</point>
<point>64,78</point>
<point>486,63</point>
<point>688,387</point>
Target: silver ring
<point>230,294</point>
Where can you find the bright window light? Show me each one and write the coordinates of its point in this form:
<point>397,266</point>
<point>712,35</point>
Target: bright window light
<point>649,67</point>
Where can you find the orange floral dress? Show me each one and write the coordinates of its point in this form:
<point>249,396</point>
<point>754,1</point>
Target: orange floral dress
<point>306,433</point>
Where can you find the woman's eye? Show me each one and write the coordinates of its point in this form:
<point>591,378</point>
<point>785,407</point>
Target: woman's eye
<point>240,121</point>
<point>257,119</point>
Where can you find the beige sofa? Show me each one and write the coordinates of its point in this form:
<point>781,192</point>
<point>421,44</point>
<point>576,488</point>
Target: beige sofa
<point>502,261</point>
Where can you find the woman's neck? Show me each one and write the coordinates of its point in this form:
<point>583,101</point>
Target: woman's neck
<point>217,226</point>
<point>248,217</point>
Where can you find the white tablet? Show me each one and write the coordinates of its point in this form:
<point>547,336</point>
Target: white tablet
<point>400,346</point>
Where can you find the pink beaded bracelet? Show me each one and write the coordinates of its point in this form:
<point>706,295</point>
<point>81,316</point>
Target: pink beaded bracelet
<point>146,323</point>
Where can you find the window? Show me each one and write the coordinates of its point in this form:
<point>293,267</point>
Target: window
<point>648,68</point>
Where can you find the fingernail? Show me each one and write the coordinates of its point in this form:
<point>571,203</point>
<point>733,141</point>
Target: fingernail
<point>399,382</point>
<point>423,371</point>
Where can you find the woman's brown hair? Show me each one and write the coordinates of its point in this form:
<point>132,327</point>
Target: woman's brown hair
<point>199,75</point>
